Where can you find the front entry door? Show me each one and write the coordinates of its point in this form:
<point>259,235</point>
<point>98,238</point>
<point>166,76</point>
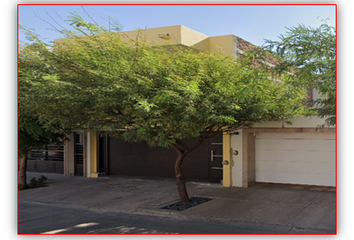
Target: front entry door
<point>215,158</point>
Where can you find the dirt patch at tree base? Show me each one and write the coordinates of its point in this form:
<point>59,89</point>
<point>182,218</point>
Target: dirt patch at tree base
<point>180,207</point>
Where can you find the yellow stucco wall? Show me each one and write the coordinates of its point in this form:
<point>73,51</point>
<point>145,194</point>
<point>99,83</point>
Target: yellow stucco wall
<point>180,34</point>
<point>226,145</point>
<point>222,43</point>
<point>237,159</point>
<point>152,35</point>
<point>189,37</point>
<point>202,45</point>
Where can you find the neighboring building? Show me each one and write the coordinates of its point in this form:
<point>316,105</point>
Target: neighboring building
<point>272,152</point>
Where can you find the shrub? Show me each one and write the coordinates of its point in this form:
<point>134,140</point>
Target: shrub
<point>34,182</point>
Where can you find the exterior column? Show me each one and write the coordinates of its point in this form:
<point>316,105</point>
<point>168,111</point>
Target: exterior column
<point>249,163</point>
<point>91,155</point>
<point>226,152</point>
<point>237,158</point>
<point>69,160</point>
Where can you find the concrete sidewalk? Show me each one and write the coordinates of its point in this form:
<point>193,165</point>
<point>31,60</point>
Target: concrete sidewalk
<point>297,209</point>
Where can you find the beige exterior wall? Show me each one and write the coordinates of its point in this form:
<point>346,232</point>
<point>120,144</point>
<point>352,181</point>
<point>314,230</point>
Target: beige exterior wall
<point>189,37</point>
<point>223,44</point>
<point>236,163</point>
<point>297,122</point>
<point>152,35</point>
<point>202,45</point>
<point>177,34</point>
<point>180,34</point>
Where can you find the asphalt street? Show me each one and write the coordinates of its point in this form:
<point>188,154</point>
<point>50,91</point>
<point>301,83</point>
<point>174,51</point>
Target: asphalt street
<point>48,219</point>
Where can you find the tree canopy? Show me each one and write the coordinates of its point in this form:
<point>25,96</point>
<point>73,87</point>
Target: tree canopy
<point>98,79</point>
<point>95,80</point>
<point>32,134</point>
<point>313,52</point>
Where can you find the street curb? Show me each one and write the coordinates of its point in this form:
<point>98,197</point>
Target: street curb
<point>157,210</point>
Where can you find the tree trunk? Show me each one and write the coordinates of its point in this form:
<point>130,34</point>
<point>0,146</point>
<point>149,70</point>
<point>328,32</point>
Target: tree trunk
<point>181,181</point>
<point>182,152</point>
<point>23,169</point>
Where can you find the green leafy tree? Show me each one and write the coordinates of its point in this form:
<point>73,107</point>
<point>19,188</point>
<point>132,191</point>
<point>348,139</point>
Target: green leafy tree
<point>313,52</point>
<point>98,79</point>
<point>32,134</point>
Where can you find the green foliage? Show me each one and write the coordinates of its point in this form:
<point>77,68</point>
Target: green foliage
<point>105,81</point>
<point>34,182</point>
<point>33,134</point>
<point>32,71</point>
<point>313,52</point>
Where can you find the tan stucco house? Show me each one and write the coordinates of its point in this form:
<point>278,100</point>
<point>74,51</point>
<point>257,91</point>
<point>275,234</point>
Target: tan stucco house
<point>272,152</point>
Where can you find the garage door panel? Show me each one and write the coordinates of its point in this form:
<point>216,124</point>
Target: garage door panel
<point>278,155</point>
<point>271,166</point>
<point>294,167</point>
<point>264,166</point>
<point>287,156</point>
<point>310,168</point>
<point>325,168</point>
<point>318,156</point>
<point>297,178</point>
<point>266,144</point>
<point>307,141</point>
<point>314,179</point>
<point>277,136</point>
<point>321,145</point>
<point>295,158</point>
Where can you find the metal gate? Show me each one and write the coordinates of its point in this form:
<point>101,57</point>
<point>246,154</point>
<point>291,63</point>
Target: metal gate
<point>139,159</point>
<point>79,154</point>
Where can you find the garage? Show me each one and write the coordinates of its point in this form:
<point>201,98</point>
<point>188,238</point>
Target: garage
<point>139,159</point>
<point>295,158</point>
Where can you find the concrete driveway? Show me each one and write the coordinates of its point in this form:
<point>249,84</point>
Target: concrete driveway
<point>299,210</point>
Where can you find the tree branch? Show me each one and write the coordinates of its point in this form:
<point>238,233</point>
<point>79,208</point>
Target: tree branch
<point>185,148</point>
<point>178,150</point>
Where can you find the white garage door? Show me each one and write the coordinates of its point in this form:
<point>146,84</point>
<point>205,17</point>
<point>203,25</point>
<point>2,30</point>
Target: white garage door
<point>295,158</point>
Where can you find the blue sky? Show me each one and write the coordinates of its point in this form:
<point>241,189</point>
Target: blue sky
<point>253,23</point>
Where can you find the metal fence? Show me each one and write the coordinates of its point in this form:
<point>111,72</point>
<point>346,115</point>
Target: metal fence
<point>47,153</point>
